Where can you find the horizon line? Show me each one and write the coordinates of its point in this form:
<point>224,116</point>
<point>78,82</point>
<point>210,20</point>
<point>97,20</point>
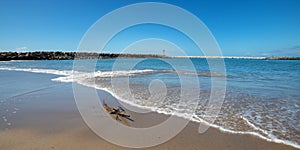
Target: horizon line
<point>181,56</point>
<point>173,56</point>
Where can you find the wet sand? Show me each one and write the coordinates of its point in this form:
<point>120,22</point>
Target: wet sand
<point>48,119</point>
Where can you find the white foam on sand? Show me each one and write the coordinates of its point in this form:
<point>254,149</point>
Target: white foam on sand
<point>79,77</point>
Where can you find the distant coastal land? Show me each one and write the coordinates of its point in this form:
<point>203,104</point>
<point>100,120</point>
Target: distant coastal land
<point>283,58</point>
<point>7,56</point>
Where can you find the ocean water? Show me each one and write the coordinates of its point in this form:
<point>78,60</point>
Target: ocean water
<point>262,96</point>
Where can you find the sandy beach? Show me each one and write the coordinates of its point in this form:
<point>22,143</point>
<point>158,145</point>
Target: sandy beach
<point>47,118</point>
<point>157,75</point>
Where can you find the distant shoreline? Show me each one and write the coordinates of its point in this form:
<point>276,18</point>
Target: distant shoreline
<point>240,57</point>
<point>7,56</point>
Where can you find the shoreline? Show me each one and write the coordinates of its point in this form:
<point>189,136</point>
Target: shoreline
<point>49,119</point>
<point>197,123</point>
<point>60,55</point>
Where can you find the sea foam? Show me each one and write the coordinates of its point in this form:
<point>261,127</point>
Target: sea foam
<point>79,77</point>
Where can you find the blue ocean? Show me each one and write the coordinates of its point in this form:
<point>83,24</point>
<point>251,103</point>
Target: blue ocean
<point>262,97</point>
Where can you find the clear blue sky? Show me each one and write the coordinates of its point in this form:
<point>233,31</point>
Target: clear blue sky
<point>252,28</point>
